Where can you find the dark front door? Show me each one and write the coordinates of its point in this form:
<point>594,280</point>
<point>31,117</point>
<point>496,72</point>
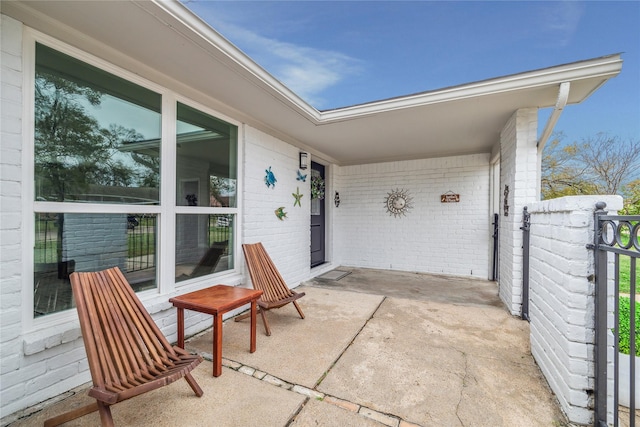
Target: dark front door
<point>317,219</point>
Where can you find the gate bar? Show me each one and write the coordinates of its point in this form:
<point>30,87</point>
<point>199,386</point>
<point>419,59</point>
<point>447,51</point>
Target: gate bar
<point>526,227</point>
<point>600,392</point>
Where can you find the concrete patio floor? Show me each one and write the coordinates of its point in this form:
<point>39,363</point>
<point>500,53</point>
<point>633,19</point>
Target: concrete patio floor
<point>376,348</point>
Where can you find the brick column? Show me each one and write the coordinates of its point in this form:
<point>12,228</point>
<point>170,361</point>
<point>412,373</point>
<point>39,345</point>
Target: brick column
<point>518,187</point>
<point>561,306</point>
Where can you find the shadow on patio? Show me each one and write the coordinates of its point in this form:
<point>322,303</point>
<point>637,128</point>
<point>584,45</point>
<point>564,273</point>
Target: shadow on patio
<point>376,348</point>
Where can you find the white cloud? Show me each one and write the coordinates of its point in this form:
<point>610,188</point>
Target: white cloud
<point>306,71</point>
<point>561,20</point>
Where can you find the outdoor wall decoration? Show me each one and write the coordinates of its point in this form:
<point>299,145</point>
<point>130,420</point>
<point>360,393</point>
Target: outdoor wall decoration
<point>270,179</point>
<point>336,199</point>
<point>317,187</point>
<point>297,196</point>
<point>398,202</point>
<point>449,197</point>
<point>302,177</point>
<point>506,200</point>
<point>280,213</point>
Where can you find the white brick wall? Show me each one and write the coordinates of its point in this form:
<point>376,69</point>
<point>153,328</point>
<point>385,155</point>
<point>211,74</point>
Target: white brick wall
<point>434,237</point>
<point>451,238</point>
<point>38,365</point>
<point>518,171</point>
<point>13,386</point>
<point>561,306</point>
<point>286,241</point>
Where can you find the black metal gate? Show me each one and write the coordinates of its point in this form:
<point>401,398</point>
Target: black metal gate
<point>496,252</point>
<point>526,228</point>
<point>619,236</point>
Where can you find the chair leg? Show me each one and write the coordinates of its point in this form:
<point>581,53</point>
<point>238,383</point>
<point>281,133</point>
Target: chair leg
<point>299,309</point>
<point>243,316</point>
<point>264,319</point>
<point>71,415</point>
<point>266,324</point>
<point>106,419</point>
<point>194,385</point>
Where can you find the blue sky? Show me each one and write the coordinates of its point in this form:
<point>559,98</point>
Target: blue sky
<point>340,53</point>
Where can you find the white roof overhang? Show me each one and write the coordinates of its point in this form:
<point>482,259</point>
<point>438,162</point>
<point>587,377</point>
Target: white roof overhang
<point>170,42</point>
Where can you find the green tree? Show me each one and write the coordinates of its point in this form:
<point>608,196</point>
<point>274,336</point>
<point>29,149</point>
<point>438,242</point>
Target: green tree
<point>602,164</point>
<point>219,187</point>
<point>72,151</point>
<point>561,175</point>
<point>65,136</point>
<point>631,194</point>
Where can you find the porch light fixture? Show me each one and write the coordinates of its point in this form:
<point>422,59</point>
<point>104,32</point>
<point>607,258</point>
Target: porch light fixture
<point>304,160</point>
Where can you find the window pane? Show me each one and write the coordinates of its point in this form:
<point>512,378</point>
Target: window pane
<point>204,245</point>
<point>97,136</point>
<point>65,243</point>
<point>206,160</point>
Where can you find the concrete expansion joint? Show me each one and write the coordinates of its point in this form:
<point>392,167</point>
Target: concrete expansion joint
<point>465,378</point>
<point>381,417</point>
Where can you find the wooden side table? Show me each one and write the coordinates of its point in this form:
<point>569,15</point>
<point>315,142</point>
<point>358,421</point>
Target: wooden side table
<point>216,301</point>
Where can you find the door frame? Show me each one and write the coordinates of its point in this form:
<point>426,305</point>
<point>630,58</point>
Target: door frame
<point>315,166</point>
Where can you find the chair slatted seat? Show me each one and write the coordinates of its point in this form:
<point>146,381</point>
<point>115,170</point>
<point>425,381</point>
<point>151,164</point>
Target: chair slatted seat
<point>127,353</point>
<point>266,277</point>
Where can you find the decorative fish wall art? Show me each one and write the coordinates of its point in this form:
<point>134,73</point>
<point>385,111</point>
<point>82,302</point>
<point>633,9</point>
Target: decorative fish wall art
<point>280,213</point>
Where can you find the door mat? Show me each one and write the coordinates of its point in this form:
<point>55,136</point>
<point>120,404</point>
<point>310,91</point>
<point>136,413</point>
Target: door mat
<point>333,275</point>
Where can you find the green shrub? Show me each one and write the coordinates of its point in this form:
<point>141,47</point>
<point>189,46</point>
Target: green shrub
<point>624,341</point>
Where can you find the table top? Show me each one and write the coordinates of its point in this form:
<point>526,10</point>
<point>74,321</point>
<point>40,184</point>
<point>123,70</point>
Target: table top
<point>216,299</point>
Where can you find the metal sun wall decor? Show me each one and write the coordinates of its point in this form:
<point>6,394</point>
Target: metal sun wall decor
<point>398,202</point>
<point>270,179</point>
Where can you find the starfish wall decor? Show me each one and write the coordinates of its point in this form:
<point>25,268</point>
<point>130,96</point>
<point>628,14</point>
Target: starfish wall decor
<point>297,196</point>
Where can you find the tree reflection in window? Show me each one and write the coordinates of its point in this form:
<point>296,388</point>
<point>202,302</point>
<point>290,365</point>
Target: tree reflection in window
<point>84,151</point>
<point>96,140</point>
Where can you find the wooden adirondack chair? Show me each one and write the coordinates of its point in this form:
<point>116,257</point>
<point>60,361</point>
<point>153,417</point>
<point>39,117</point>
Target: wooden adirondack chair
<point>265,277</point>
<point>128,354</point>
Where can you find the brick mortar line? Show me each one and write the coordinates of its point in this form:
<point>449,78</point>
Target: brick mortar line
<point>392,420</point>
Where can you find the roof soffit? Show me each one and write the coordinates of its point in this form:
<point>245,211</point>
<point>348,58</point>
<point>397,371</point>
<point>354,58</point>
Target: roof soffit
<point>170,39</point>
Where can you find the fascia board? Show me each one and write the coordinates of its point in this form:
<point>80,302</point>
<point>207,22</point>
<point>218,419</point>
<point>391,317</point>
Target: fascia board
<point>178,18</point>
<point>198,30</point>
<point>603,68</point>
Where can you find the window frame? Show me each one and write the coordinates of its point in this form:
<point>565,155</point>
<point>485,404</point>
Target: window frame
<point>166,210</point>
<point>203,210</point>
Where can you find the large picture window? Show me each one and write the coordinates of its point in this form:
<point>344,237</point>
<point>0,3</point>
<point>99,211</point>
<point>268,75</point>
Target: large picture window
<point>97,181</point>
<point>206,179</point>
